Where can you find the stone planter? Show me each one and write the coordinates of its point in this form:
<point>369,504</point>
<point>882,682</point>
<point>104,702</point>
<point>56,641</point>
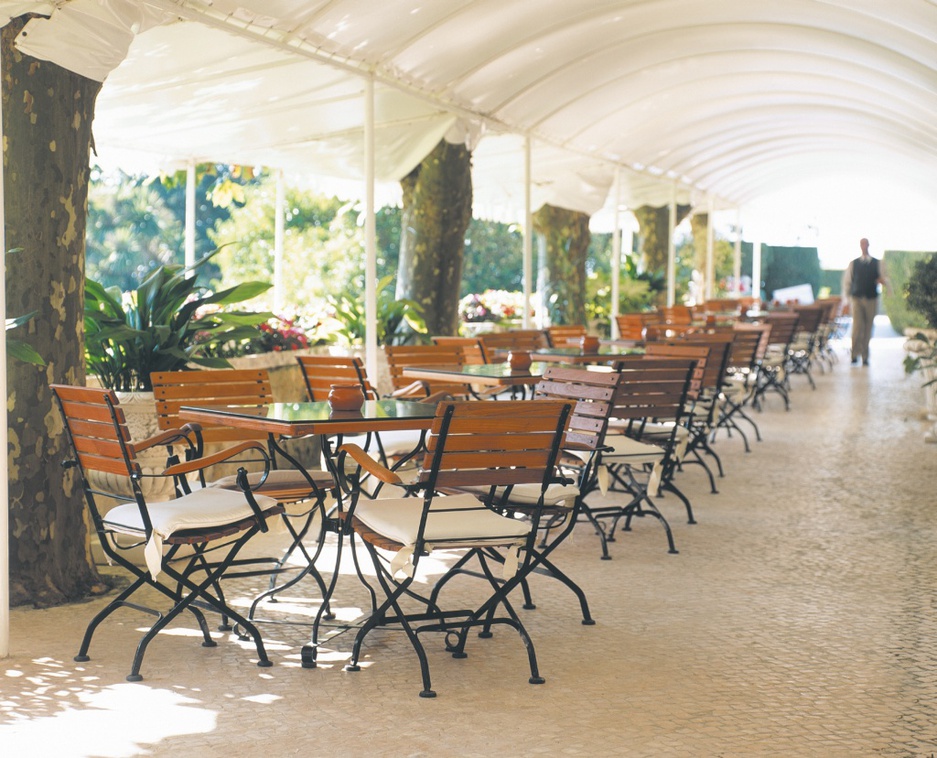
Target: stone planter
<point>140,412</point>
<point>927,374</point>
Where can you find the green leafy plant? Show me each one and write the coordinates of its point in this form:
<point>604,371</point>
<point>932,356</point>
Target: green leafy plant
<point>398,321</point>
<point>168,322</point>
<point>21,350</point>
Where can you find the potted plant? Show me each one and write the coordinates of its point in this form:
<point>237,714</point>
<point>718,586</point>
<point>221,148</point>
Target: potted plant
<point>166,324</point>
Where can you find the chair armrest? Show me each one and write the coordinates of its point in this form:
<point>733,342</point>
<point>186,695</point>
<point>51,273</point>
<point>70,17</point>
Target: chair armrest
<point>437,397</point>
<point>166,437</point>
<point>366,462</point>
<point>419,389</point>
<point>196,464</point>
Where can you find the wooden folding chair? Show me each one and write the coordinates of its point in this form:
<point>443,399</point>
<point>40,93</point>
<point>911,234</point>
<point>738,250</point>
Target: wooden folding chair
<point>215,523</point>
<point>295,483</point>
<point>400,357</point>
<point>564,335</point>
<point>494,445</point>
<point>651,390</point>
<point>320,372</point>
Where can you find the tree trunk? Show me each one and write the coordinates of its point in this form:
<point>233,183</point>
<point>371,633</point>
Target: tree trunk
<point>566,238</point>
<point>47,114</point>
<point>654,235</point>
<point>437,209</point>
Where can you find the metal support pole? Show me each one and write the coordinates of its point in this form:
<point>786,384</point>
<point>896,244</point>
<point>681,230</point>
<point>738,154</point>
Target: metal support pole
<point>279,233</point>
<point>616,255</point>
<point>190,214</point>
<point>370,238</point>
<point>756,273</point>
<point>737,258</point>
<point>710,258</point>
<point>672,250</point>
<point>528,235</point>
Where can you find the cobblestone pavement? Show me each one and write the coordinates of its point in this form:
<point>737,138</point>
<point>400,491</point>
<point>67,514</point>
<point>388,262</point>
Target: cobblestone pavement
<point>798,619</point>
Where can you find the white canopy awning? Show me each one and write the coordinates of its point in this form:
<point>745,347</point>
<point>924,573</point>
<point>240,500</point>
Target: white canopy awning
<point>732,98</point>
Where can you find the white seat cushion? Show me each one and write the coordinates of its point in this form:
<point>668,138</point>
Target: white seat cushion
<point>631,451</point>
<point>277,479</point>
<point>453,520</point>
<point>656,429</point>
<point>529,494</point>
<point>203,508</point>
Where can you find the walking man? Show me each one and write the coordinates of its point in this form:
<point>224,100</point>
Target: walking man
<point>861,281</point>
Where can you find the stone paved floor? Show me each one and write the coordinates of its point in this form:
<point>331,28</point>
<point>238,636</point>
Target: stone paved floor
<point>799,619</point>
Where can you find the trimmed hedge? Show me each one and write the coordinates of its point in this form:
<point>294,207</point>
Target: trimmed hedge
<point>899,265</point>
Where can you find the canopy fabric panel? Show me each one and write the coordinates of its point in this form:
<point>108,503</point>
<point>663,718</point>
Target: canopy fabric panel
<point>726,99</point>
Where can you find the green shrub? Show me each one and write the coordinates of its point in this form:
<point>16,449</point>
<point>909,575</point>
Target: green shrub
<point>921,290</point>
<point>899,271</point>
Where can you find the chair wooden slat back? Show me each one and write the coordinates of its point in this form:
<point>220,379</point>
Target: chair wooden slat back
<point>472,351</point>
<point>561,335</point>
<point>495,444</point>
<point>698,353</point>
<point>211,387</point>
<point>764,336</point>
<point>631,326</point>
<point>400,357</point>
<point>591,392</point>
<point>652,388</point>
<point>677,314</point>
<point>97,428</point>
<point>744,352</point>
<point>809,318</point>
<point>720,344</point>
<point>515,339</point>
<point>783,327</point>
<point>320,372</point>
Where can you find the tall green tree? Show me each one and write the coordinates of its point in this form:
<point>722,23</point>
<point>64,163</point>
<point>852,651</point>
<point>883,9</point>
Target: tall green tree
<point>47,113</point>
<point>130,231</point>
<point>654,234</point>
<point>437,208</point>
<point>564,242</point>
<point>723,253</point>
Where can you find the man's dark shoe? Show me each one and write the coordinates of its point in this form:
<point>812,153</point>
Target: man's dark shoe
<point>855,361</point>
<point>865,361</point>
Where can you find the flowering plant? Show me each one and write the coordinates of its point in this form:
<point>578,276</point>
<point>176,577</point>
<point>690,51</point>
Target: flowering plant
<point>282,334</point>
<point>492,305</point>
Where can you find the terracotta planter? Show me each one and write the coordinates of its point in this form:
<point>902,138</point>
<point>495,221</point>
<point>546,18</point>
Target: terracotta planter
<point>346,397</point>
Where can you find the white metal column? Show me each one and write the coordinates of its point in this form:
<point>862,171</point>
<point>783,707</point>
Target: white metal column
<point>279,233</point>
<point>528,236</point>
<point>672,249</point>
<point>756,270</point>
<point>190,214</point>
<point>370,238</point>
<point>616,254</point>
<point>710,288</point>
<point>737,258</point>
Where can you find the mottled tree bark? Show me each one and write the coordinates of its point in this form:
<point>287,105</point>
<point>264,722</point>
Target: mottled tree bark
<point>654,234</point>
<point>566,237</point>
<point>47,114</point>
<point>437,209</point>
